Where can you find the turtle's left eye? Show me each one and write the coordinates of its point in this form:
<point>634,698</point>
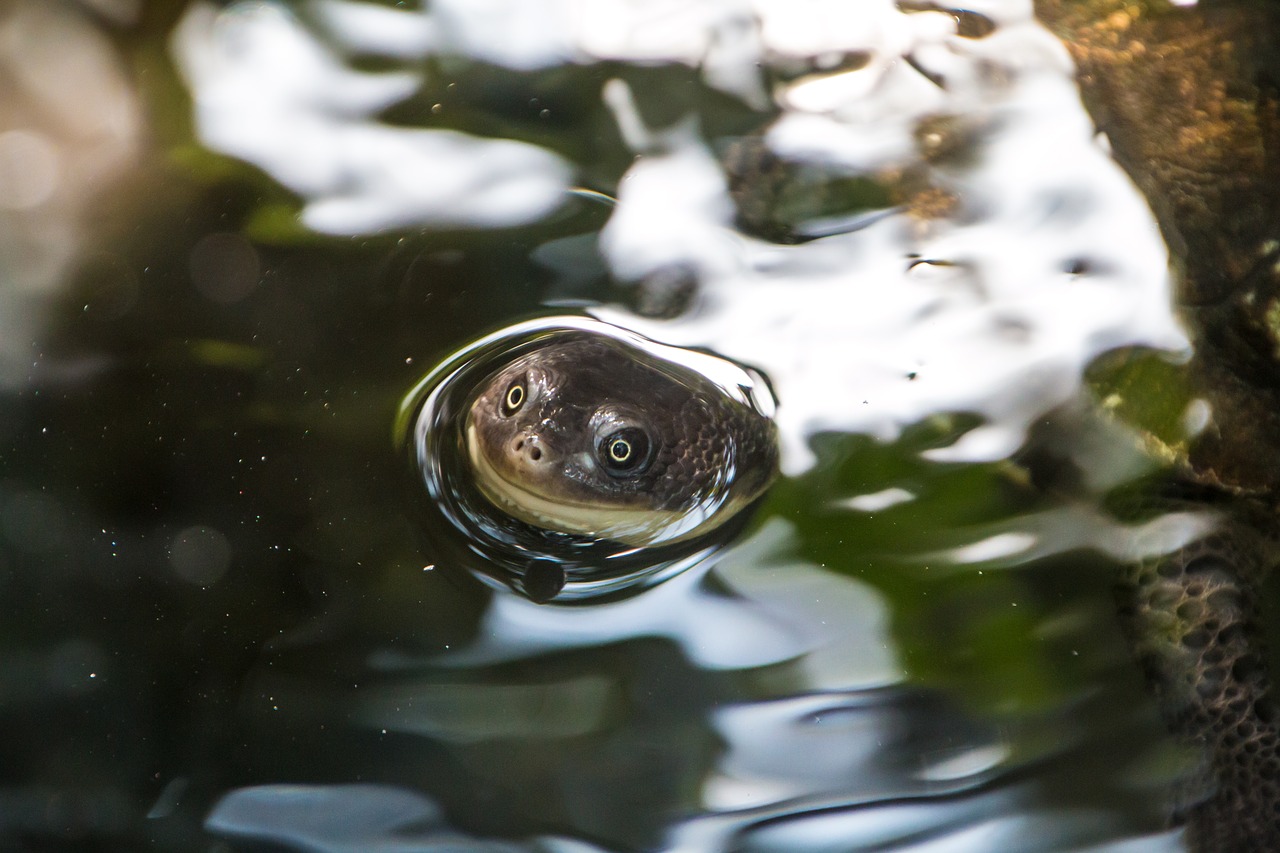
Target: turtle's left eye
<point>625,452</point>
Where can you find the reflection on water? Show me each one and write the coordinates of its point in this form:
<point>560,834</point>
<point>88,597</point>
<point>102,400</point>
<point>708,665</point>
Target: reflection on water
<point>267,91</point>
<point>225,621</point>
<point>69,125</point>
<point>536,554</point>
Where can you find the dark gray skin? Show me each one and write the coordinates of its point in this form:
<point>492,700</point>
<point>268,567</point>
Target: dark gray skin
<point>592,437</point>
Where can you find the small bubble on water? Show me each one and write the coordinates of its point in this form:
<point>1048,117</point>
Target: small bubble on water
<point>543,580</point>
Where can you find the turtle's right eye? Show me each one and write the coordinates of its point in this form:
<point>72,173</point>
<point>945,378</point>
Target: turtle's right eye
<point>514,398</point>
<point>626,452</point>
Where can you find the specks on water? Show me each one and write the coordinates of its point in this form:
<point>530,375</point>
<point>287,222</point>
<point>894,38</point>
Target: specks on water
<point>779,620</point>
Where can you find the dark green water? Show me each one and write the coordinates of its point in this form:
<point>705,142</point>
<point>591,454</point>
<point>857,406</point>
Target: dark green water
<point>222,624</point>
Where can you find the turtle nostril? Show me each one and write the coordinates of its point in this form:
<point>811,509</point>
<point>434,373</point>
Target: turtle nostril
<point>528,448</point>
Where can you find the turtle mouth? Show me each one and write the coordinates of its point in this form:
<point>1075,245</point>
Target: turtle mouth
<point>629,524</point>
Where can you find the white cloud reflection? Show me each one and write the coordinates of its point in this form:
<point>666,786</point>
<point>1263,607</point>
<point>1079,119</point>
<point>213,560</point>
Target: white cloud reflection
<point>877,329</point>
<point>865,332</point>
<point>267,91</point>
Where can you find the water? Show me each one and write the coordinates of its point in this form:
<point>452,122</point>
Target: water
<point>226,626</point>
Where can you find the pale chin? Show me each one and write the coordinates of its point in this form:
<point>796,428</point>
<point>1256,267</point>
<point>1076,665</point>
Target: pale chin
<point>633,526</point>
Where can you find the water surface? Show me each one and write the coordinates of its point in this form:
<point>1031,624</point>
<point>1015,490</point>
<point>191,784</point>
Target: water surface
<point>224,622</point>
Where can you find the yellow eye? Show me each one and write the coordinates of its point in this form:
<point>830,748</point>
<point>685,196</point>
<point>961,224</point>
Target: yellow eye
<point>514,399</point>
<point>626,452</point>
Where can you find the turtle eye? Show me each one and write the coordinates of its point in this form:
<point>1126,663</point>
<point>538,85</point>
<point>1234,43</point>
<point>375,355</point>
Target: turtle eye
<point>514,398</point>
<point>625,452</point>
